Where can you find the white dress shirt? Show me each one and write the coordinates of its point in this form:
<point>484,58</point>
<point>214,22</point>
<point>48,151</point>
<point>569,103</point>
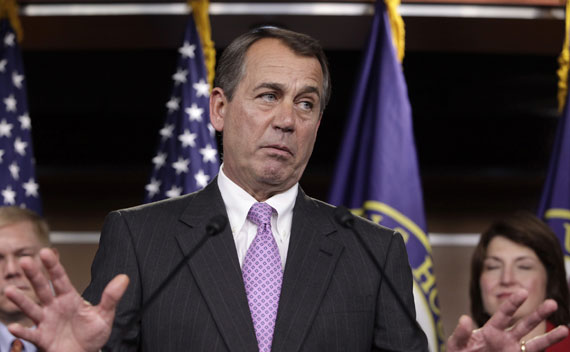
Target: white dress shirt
<point>6,339</point>
<point>238,202</point>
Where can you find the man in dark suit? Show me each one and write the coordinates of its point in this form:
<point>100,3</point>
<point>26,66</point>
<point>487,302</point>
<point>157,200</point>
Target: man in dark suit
<point>332,297</point>
<point>284,276</point>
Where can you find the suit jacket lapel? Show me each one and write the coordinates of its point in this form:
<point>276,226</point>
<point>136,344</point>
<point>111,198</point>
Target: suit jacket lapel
<point>216,270</point>
<point>311,260</point>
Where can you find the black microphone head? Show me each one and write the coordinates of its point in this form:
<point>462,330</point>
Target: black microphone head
<point>216,224</point>
<point>344,217</point>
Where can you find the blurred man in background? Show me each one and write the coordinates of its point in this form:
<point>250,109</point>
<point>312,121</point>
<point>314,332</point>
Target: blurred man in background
<point>22,234</point>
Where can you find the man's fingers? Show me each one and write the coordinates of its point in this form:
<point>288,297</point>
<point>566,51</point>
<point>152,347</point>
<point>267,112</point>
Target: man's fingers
<point>26,305</point>
<point>57,274</point>
<point>540,343</point>
<point>24,333</point>
<point>113,293</point>
<point>38,280</point>
<point>461,334</point>
<point>502,319</point>
<point>532,320</point>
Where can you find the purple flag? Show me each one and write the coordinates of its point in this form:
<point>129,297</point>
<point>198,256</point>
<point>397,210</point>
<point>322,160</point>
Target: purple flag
<point>377,173</point>
<point>18,184</point>
<point>555,202</point>
<point>187,157</point>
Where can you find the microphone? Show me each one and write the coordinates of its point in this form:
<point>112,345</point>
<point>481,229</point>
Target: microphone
<point>345,218</point>
<point>214,226</point>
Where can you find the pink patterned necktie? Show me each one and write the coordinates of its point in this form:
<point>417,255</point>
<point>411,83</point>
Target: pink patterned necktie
<point>263,276</point>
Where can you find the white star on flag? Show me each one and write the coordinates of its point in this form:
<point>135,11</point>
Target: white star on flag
<point>174,192</point>
<point>194,112</point>
<point>17,79</point>
<point>14,170</point>
<point>159,160</point>
<point>5,128</point>
<point>9,39</point>
<point>181,166</point>
<point>173,104</point>
<point>20,146</point>
<point>1,156</point>
<point>166,131</point>
<point>180,76</point>
<point>10,103</point>
<point>31,188</point>
<point>9,196</point>
<point>153,187</point>
<point>202,88</point>
<point>188,139</point>
<point>3,65</point>
<point>201,179</point>
<point>208,154</point>
<point>212,130</point>
<point>25,121</point>
<point>187,50</point>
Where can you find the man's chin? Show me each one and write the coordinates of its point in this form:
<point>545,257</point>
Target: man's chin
<point>9,309</point>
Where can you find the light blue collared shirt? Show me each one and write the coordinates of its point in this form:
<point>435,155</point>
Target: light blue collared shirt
<point>6,339</point>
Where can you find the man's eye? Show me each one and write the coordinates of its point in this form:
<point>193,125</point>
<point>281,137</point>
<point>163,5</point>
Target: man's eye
<point>306,105</point>
<point>269,97</point>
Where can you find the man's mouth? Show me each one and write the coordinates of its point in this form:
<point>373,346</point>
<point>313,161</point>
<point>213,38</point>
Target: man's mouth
<point>279,148</point>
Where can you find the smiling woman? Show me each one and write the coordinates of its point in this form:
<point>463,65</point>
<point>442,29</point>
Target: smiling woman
<point>517,252</point>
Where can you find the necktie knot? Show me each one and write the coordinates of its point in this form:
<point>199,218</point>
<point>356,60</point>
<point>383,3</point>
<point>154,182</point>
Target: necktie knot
<point>17,346</point>
<point>260,213</point>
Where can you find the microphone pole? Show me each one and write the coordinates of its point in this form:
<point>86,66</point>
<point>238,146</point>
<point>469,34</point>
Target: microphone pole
<point>214,226</point>
<point>345,218</point>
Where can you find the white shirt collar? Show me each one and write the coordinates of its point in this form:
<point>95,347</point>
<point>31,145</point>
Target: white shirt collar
<point>238,202</point>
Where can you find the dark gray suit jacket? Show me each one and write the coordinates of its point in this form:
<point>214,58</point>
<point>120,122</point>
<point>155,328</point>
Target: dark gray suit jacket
<point>332,297</point>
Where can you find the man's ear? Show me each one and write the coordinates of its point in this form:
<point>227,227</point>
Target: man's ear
<point>218,107</point>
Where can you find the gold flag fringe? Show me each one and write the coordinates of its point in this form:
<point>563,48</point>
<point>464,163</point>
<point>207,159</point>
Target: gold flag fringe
<point>564,62</point>
<point>202,19</point>
<point>9,10</point>
<point>397,26</point>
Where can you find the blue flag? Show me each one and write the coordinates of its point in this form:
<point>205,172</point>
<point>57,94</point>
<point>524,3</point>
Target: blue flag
<point>377,173</point>
<point>187,157</point>
<point>555,202</point>
<point>18,184</point>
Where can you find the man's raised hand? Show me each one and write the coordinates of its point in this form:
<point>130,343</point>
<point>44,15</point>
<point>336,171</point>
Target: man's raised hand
<point>64,320</point>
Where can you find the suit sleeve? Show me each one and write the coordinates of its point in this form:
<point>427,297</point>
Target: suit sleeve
<point>393,330</point>
<point>116,255</point>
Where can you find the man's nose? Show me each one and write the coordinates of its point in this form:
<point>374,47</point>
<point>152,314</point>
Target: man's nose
<point>12,267</point>
<point>284,118</point>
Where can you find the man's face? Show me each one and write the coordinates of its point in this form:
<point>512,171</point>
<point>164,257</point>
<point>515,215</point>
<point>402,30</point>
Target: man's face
<point>270,126</point>
<point>16,241</point>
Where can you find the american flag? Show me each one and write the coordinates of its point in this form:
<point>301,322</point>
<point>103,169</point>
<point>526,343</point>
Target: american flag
<point>187,157</point>
<point>18,185</point>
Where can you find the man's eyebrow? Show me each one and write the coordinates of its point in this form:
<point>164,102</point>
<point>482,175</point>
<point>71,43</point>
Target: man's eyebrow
<point>310,90</point>
<point>270,85</point>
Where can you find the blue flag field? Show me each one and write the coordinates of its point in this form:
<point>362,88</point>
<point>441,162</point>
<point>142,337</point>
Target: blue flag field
<point>377,172</point>
<point>187,156</point>
<point>18,185</point>
<point>555,202</point>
